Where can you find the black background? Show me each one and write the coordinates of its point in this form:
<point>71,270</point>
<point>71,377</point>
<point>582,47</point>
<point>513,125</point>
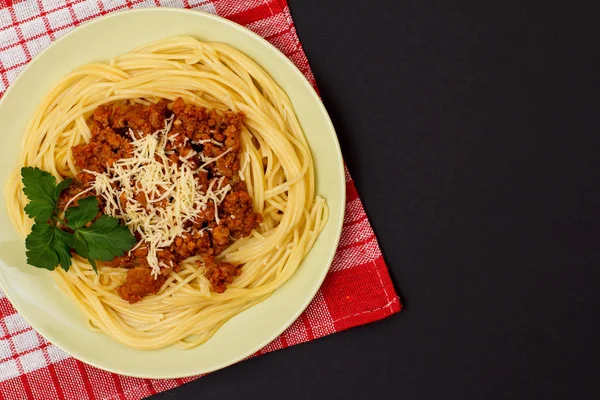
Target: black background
<point>470,128</point>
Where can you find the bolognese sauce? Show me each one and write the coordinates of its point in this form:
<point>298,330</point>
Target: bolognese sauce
<point>195,135</point>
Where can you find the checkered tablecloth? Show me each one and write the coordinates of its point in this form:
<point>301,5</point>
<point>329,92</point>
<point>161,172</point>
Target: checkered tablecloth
<point>357,290</point>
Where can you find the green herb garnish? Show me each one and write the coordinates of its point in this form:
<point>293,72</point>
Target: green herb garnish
<point>48,245</point>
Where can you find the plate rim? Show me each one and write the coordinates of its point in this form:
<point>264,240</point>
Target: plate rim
<point>337,232</point>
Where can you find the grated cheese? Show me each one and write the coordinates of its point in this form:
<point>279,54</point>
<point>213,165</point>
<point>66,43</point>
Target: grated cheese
<point>213,141</point>
<point>173,195</point>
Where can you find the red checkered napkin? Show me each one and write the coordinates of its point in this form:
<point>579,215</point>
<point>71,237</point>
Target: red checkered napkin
<point>357,289</point>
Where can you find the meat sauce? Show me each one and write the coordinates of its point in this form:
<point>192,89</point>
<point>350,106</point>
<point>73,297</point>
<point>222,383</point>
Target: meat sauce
<point>194,128</point>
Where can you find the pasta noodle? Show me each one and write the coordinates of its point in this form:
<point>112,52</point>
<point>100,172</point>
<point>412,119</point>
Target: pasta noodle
<point>276,165</point>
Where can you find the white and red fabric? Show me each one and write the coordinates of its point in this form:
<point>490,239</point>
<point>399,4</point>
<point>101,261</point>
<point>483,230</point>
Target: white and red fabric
<point>357,290</point>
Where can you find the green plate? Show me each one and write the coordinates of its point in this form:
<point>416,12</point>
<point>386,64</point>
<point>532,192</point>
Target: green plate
<point>33,292</point>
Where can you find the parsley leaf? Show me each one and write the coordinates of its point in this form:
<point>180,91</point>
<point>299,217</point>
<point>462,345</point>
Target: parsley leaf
<point>43,193</point>
<point>78,216</point>
<point>63,248</point>
<point>107,239</point>
<point>47,245</point>
<point>39,187</point>
<point>81,247</point>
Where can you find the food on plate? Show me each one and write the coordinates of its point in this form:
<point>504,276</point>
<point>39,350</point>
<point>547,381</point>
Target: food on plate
<point>168,190</point>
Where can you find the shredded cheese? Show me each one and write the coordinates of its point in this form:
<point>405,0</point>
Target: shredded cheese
<point>213,141</point>
<point>154,197</point>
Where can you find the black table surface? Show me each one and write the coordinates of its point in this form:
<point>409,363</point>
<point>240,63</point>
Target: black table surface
<point>470,129</point>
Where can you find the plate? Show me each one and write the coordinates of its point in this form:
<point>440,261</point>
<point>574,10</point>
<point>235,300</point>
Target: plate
<point>33,292</point>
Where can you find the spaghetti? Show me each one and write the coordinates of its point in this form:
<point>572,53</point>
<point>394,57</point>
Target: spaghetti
<point>277,170</point>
